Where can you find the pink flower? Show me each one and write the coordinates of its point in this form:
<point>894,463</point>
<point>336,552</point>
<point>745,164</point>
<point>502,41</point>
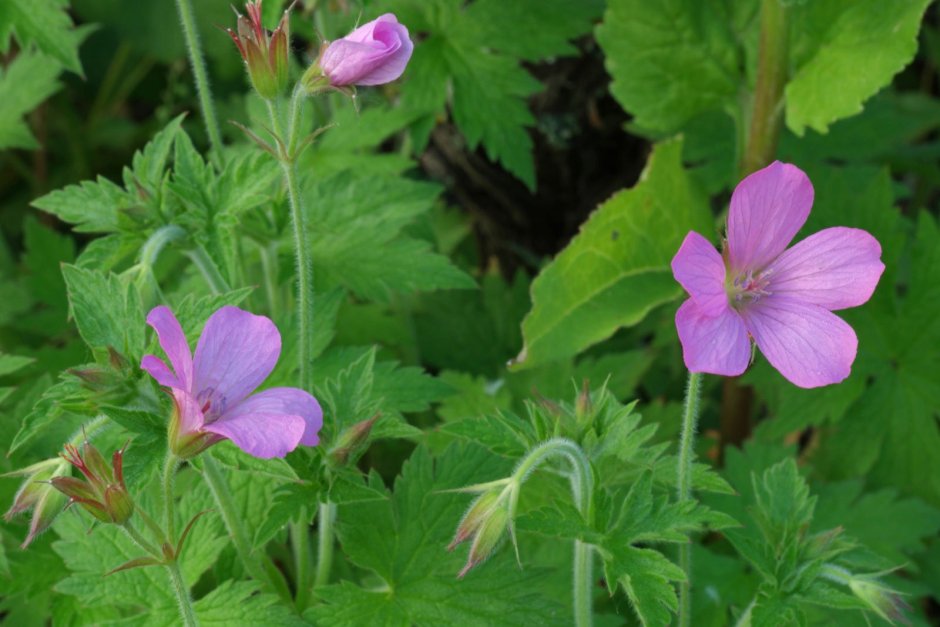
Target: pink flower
<point>373,54</point>
<point>213,390</point>
<point>782,298</point>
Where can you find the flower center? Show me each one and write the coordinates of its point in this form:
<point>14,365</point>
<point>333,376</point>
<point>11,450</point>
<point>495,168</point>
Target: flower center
<point>211,403</point>
<point>747,288</point>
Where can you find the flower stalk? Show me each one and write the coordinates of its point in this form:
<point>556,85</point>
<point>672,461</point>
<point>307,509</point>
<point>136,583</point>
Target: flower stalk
<point>684,487</point>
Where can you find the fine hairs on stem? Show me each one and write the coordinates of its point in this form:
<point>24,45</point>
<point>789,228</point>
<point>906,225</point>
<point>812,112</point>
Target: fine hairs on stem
<point>684,489</point>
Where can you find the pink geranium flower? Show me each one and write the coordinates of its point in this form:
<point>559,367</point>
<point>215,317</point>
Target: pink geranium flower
<point>213,390</point>
<point>373,54</point>
<point>782,298</point>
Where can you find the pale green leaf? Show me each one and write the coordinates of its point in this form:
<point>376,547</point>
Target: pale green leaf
<point>617,268</point>
<point>26,82</point>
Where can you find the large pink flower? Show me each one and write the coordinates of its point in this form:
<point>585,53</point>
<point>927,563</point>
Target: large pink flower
<point>782,298</point>
<point>213,390</point>
<point>373,54</point>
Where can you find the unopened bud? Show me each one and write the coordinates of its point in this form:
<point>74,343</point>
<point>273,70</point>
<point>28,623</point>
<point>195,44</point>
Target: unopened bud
<point>583,406</point>
<point>487,538</point>
<point>476,514</point>
<point>37,494</point>
<point>885,602</point>
<point>353,440</point>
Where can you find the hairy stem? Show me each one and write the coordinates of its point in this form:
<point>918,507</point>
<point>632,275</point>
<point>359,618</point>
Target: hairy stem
<point>325,519</point>
<point>582,490</point>
<point>187,613</point>
<point>684,488</point>
<point>760,148</point>
<point>266,573</point>
<point>201,77</point>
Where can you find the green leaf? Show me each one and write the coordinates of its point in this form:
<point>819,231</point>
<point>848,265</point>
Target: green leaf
<point>27,81</point>
<point>646,576</point>
<point>45,23</point>
<point>50,407</point>
<point>92,206</point>
<point>833,38</point>
<point>617,268</point>
<point>237,603</point>
<point>670,60</point>
<point>415,575</point>
<point>107,313</point>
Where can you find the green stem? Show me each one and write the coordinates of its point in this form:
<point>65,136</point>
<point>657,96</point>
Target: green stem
<point>208,268</point>
<point>156,242</point>
<point>187,613</point>
<point>325,519</point>
<point>767,112</point>
<point>269,268</point>
<point>582,489</point>
<point>684,488</point>
<point>169,472</point>
<point>265,573</point>
<point>185,9</point>
<point>300,539</point>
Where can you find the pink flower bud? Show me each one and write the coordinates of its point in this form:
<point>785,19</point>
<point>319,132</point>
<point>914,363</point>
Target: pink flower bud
<point>352,441</point>
<point>36,493</point>
<point>373,54</point>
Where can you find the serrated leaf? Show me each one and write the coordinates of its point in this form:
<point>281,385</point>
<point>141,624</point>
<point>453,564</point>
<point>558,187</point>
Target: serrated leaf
<point>834,36</point>
<point>107,312</point>
<point>92,206</point>
<point>617,268</point>
<point>646,576</point>
<point>417,583</point>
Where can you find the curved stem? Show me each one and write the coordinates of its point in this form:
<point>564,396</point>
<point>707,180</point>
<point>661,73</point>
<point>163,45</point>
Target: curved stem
<point>325,519</point>
<point>169,471</point>
<point>582,490</point>
<point>185,9</point>
<point>187,613</point>
<point>684,488</point>
<point>155,243</point>
<point>209,270</point>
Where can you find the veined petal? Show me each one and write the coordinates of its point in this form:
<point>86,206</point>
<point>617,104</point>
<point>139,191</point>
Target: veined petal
<point>373,54</point>
<point>191,418</point>
<point>367,32</point>
<point>834,268</point>
<point>236,352</point>
<point>291,401</point>
<point>160,371</point>
<point>699,268</point>
<point>174,344</point>
<point>767,209</point>
<point>259,434</point>
<point>809,345</point>
<point>715,344</point>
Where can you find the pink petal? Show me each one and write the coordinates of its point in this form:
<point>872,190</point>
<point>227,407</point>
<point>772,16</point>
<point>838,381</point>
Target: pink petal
<point>235,354</point>
<point>174,344</point>
<point>715,344</point>
<point>809,345</point>
<point>373,54</point>
<point>767,209</point>
<point>160,371</point>
<point>835,268</point>
<point>699,268</point>
<point>292,401</point>
<point>260,435</point>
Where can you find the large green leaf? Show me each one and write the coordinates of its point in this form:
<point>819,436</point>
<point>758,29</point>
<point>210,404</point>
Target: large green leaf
<point>846,51</point>
<point>617,268</point>
<point>47,25</point>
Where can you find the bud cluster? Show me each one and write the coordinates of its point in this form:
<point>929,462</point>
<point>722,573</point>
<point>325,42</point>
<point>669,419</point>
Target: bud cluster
<point>102,492</point>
